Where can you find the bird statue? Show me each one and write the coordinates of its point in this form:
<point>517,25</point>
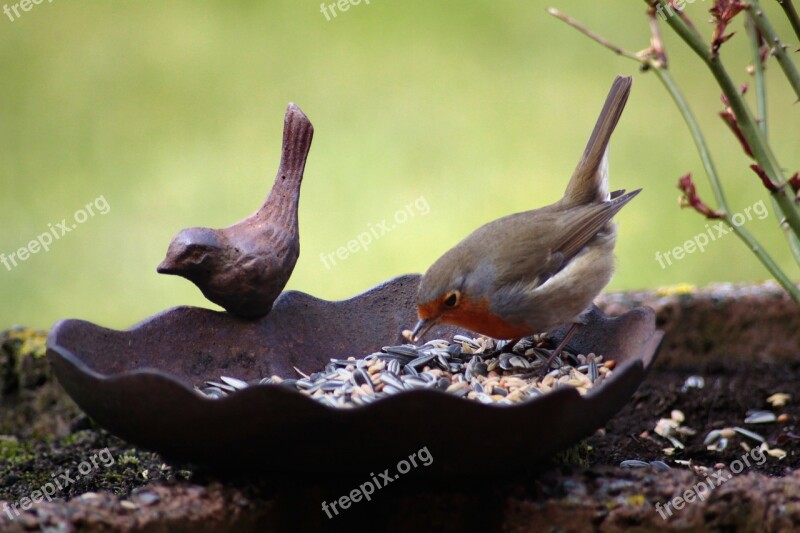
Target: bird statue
<point>244,267</point>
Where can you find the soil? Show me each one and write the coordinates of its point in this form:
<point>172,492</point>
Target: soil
<point>730,390</point>
<point>140,484</point>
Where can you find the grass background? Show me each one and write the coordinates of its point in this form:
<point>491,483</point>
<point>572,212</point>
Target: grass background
<point>173,112</point>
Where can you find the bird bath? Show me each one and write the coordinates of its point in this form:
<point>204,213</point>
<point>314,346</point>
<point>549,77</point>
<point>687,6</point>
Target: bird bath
<point>138,385</point>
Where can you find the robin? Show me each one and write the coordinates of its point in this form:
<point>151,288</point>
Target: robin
<point>244,267</point>
<point>530,272</point>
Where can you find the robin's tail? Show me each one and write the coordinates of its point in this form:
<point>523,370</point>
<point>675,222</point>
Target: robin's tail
<point>589,182</point>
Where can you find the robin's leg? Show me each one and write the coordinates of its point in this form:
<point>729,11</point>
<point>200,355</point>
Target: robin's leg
<point>561,346</point>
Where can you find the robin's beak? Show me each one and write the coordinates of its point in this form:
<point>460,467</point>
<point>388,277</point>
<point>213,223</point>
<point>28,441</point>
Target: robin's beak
<point>422,327</point>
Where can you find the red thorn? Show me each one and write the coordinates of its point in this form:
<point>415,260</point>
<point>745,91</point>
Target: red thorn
<point>794,182</point>
<point>730,119</point>
<point>768,183</point>
<point>722,13</point>
<point>691,199</point>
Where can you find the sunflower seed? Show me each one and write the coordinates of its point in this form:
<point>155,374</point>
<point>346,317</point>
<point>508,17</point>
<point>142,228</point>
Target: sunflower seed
<point>420,361</point>
<point>221,386</point>
<point>693,382</point>
<point>410,370</point>
<point>749,434</point>
<point>466,340</point>
<point>522,345</point>
<point>633,463</point>
<point>713,436</point>
<point>660,465</point>
<point>391,379</point>
<point>235,383</point>
<point>760,417</point>
<point>213,392</point>
<point>519,363</point>
<point>404,350</point>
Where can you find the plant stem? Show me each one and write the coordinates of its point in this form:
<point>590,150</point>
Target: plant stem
<point>663,75</point>
<point>592,35</point>
<point>697,135</point>
<point>791,14</point>
<point>762,152</point>
<point>716,186</point>
<point>766,29</point>
<point>761,99</point>
<point>758,75</point>
<point>787,284</point>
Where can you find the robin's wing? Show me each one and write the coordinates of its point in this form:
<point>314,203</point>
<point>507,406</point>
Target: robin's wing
<point>548,253</point>
<point>587,222</point>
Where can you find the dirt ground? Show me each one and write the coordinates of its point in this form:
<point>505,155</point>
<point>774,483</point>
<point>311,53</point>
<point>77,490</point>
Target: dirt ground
<point>137,480</point>
<point>730,391</point>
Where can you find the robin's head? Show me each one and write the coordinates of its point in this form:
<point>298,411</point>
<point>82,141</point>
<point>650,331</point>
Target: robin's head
<point>192,254</point>
<point>432,310</point>
<point>452,291</point>
<point>458,290</point>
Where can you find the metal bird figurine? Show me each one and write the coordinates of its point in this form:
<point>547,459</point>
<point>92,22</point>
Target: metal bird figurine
<point>533,271</point>
<point>244,267</point>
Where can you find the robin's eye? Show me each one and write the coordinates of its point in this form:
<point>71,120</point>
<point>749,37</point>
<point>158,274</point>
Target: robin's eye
<point>452,299</point>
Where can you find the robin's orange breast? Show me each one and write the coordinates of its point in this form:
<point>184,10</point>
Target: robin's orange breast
<point>477,317</point>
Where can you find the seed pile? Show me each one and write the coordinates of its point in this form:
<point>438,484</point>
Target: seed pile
<point>480,369</point>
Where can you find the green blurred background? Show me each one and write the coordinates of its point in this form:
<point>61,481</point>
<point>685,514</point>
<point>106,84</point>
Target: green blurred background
<point>172,111</point>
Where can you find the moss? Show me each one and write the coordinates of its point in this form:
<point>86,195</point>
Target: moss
<point>78,438</point>
<point>26,465</point>
<point>9,448</point>
<point>577,455</point>
<point>27,341</point>
<point>13,457</point>
<point>679,289</point>
<point>13,453</point>
<point>35,406</point>
<point>23,364</point>
<point>636,500</point>
<point>128,459</point>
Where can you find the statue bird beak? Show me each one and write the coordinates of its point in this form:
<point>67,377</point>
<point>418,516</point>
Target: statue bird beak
<point>167,266</point>
<point>421,328</point>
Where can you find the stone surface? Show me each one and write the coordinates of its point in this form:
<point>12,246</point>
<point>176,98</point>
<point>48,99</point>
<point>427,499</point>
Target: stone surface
<point>747,322</point>
<point>32,403</point>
